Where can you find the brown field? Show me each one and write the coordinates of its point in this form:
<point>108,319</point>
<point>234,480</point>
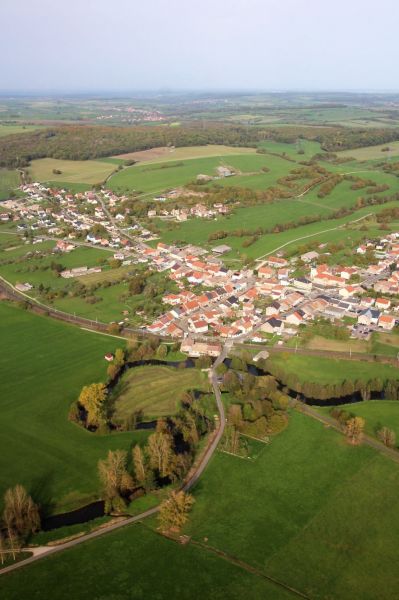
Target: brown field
<point>164,154</point>
<point>321,343</point>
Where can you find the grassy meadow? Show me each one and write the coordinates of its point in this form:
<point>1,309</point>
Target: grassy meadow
<point>165,154</point>
<point>72,171</point>
<point>311,511</point>
<point>376,413</point>
<point>373,152</point>
<point>44,364</point>
<point>9,181</point>
<point>6,129</point>
<point>134,564</point>
<point>315,369</point>
<point>155,390</point>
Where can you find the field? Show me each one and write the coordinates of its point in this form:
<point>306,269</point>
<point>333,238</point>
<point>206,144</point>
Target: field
<point>11,129</point>
<point>135,564</point>
<point>377,414</point>
<point>155,390</point>
<point>72,171</point>
<point>165,154</point>
<point>329,370</point>
<point>311,511</point>
<point>44,365</point>
<point>155,177</point>
<point>9,181</point>
<point>373,152</point>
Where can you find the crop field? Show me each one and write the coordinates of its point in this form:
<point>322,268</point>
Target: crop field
<point>373,152</point>
<point>44,365</point>
<point>137,563</point>
<point>9,181</point>
<point>315,369</point>
<point>155,390</point>
<point>311,511</point>
<point>377,414</point>
<point>164,154</point>
<point>72,171</point>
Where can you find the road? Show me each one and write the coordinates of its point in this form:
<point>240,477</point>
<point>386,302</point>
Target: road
<point>194,475</point>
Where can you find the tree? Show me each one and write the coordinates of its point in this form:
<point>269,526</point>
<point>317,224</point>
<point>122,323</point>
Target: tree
<point>354,428</point>
<point>21,514</point>
<point>140,469</point>
<point>162,351</point>
<point>92,398</point>
<point>173,512</point>
<point>115,479</point>
<point>160,452</point>
<point>387,436</point>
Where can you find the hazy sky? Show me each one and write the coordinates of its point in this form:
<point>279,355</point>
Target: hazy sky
<point>199,44</point>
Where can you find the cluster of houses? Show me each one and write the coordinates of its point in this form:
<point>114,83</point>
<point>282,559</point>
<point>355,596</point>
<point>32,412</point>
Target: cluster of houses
<point>198,210</point>
<point>213,300</point>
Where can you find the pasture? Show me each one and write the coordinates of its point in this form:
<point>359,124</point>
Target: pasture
<point>155,177</point>
<point>311,511</point>
<point>165,153</point>
<point>326,371</point>
<point>154,390</point>
<point>9,181</point>
<point>6,129</point>
<point>376,413</point>
<point>44,364</point>
<point>373,152</point>
<point>133,564</point>
<point>72,171</point>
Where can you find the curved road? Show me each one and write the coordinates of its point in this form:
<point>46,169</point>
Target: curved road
<point>44,551</point>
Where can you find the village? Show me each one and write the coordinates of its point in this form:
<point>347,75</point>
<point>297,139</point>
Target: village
<point>272,300</point>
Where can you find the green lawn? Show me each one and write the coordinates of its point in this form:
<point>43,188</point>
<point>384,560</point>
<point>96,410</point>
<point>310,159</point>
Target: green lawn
<point>377,414</point>
<point>12,129</point>
<point>311,511</point>
<point>44,365</point>
<point>156,390</point>
<point>136,564</point>
<point>315,369</point>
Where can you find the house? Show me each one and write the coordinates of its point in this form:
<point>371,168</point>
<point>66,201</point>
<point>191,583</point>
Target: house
<point>309,256</point>
<point>199,326</point>
<point>295,318</point>
<point>382,303</point>
<point>263,354</point>
<point>386,322</point>
<point>23,287</point>
<point>272,325</point>
<point>368,317</point>
<point>109,357</point>
<point>302,283</point>
<point>222,249</point>
<point>348,291</point>
<point>276,262</point>
<point>265,272</point>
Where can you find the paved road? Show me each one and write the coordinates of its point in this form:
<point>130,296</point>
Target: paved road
<point>44,551</point>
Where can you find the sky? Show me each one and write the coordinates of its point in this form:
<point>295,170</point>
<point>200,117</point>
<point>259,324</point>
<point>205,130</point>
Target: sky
<point>131,45</point>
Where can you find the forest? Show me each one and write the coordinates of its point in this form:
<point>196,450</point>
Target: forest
<point>84,142</point>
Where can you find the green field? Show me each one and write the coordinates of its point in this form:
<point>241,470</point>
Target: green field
<point>159,176</point>
<point>136,564</point>
<point>311,511</point>
<point>372,152</point>
<point>11,129</point>
<point>9,181</point>
<point>155,390</point>
<point>44,364</point>
<point>72,171</point>
<point>315,369</point>
<point>165,154</point>
<point>377,414</point>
